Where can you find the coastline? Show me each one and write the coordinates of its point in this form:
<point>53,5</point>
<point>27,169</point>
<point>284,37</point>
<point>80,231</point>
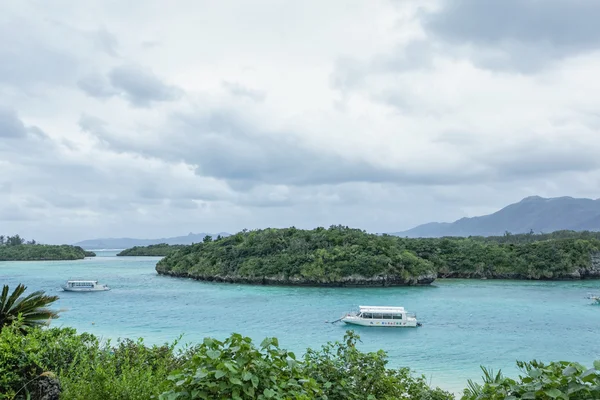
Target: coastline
<point>352,281</point>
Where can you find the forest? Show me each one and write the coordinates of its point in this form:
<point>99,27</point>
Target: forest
<point>344,256</point>
<point>154,250</point>
<point>16,248</point>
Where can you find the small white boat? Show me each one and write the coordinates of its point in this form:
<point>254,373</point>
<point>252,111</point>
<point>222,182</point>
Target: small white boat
<point>391,317</point>
<point>595,298</point>
<point>84,286</point>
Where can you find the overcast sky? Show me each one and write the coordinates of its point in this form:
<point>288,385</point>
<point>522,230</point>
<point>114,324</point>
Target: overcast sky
<point>150,118</point>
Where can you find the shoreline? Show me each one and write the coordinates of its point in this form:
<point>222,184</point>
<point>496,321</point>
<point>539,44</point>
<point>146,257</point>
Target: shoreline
<point>353,281</point>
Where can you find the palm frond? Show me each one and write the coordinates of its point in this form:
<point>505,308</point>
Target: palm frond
<point>32,309</point>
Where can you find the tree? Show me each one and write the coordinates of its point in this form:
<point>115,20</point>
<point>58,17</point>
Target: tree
<point>207,239</point>
<point>32,308</point>
<point>14,240</point>
<point>1,240</point>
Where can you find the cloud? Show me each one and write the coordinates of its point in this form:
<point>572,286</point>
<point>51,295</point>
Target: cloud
<point>379,115</point>
<point>238,90</point>
<point>96,85</point>
<point>10,125</point>
<point>140,87</point>
<point>518,34</point>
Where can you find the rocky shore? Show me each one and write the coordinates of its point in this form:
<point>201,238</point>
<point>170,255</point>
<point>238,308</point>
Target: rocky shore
<point>280,280</point>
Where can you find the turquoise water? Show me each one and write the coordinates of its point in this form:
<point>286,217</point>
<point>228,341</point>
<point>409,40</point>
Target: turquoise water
<point>466,323</point>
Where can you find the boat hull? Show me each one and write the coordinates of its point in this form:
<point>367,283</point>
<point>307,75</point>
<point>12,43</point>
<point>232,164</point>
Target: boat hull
<point>385,323</point>
<point>97,289</point>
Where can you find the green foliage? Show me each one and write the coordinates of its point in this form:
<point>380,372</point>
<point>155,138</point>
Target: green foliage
<point>343,256</point>
<point>335,256</point>
<point>128,371</point>
<point>479,258</point>
<point>83,368</point>
<point>26,359</point>
<point>42,252</point>
<point>557,380</point>
<point>236,369</point>
<point>344,372</point>
<point>31,309</point>
<point>155,250</point>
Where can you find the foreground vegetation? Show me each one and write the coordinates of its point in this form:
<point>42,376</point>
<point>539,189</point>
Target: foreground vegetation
<point>58,363</point>
<point>344,256</point>
<point>156,250</point>
<point>50,364</point>
<point>16,248</point>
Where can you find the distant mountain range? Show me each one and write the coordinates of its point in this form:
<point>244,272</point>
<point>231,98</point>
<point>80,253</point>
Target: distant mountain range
<point>532,213</point>
<point>125,243</point>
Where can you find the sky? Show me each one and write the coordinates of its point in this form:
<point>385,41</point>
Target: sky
<point>153,119</point>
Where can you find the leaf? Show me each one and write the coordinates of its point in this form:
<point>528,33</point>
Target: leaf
<point>554,393</point>
<point>246,376</point>
<point>589,375</point>
<point>269,393</point>
<point>254,380</point>
<point>230,367</point>
<point>219,374</point>
<point>570,370</point>
<point>235,381</point>
<point>213,354</point>
<point>535,373</point>
<point>528,395</point>
<point>597,364</point>
<point>200,374</point>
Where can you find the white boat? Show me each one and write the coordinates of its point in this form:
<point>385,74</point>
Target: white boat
<point>391,317</point>
<point>84,286</point>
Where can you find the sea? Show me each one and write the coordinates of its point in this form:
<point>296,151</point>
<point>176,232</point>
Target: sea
<point>466,323</point>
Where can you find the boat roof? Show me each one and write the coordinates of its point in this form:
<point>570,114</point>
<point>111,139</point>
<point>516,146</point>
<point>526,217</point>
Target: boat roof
<point>381,309</point>
<point>82,281</point>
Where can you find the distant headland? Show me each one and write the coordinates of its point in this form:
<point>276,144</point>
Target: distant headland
<point>15,248</point>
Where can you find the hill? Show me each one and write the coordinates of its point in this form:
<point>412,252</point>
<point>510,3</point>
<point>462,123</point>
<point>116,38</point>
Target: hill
<point>534,213</point>
<point>42,252</point>
<point>126,243</point>
<point>154,250</point>
<point>338,256</point>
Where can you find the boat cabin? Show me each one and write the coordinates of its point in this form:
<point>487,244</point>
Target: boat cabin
<point>382,316</point>
<point>82,284</point>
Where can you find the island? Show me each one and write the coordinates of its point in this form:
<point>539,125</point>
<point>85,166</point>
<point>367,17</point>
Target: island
<point>154,250</point>
<point>341,256</point>
<point>338,256</point>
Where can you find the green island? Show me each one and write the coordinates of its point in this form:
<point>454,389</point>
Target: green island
<point>42,363</point>
<point>155,250</point>
<point>15,248</point>
<point>341,256</point>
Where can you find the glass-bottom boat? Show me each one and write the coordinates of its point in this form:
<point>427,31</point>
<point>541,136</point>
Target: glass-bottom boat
<point>391,317</point>
<point>84,286</point>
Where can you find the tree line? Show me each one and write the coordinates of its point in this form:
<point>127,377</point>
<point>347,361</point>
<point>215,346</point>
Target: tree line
<point>16,240</point>
<point>334,254</point>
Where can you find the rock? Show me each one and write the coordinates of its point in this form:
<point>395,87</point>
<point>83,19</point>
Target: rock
<point>46,388</point>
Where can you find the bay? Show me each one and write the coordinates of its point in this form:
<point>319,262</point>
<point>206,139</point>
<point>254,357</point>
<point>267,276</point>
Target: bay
<point>466,323</point>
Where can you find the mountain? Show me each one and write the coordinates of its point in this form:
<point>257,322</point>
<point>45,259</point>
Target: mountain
<point>532,213</point>
<point>125,243</point>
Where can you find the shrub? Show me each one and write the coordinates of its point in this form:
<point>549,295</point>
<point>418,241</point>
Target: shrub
<point>557,380</point>
<point>236,369</point>
<point>344,372</point>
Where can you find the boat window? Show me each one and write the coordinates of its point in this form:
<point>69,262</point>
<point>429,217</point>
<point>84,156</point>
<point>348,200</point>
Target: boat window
<point>377,316</point>
<point>387,316</point>
<point>367,315</point>
<point>397,316</point>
